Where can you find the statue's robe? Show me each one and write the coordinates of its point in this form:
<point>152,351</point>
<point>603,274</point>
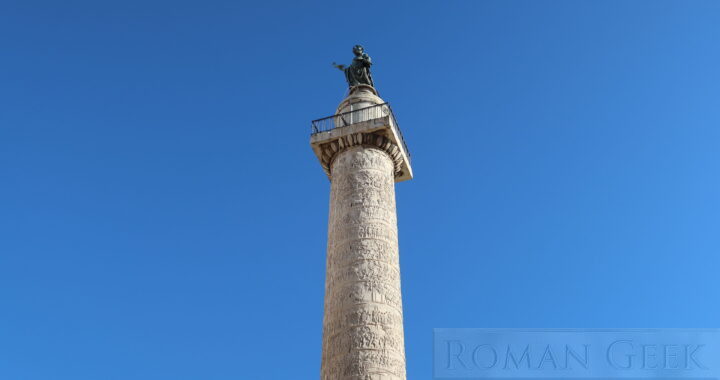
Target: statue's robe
<point>359,71</point>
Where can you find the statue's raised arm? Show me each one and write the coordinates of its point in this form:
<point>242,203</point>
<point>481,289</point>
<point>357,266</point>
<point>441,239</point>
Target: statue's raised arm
<point>359,70</point>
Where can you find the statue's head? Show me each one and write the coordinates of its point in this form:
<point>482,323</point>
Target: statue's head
<point>358,49</point>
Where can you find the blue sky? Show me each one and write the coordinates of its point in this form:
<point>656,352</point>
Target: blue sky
<point>163,217</point>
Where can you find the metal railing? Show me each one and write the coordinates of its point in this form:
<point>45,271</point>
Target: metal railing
<point>358,116</point>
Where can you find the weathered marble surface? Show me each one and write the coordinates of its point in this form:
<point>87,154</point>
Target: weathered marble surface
<point>362,327</point>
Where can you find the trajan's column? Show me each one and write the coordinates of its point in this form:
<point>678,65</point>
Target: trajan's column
<point>363,153</point>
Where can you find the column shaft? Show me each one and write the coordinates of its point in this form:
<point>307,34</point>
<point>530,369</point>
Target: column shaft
<point>362,325</point>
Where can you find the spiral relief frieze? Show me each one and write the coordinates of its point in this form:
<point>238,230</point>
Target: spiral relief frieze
<point>362,326</point>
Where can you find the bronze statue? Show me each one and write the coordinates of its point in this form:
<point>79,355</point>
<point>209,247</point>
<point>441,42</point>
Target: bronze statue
<point>359,70</point>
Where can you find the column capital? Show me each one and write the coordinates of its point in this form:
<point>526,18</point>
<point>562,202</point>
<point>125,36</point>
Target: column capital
<point>361,119</point>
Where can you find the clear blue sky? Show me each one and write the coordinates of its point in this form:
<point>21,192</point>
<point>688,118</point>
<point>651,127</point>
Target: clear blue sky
<point>163,217</point>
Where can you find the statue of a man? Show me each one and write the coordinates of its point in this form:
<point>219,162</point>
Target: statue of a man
<point>359,70</point>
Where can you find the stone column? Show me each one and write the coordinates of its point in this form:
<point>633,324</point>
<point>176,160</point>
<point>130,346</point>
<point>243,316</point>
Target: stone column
<point>363,321</point>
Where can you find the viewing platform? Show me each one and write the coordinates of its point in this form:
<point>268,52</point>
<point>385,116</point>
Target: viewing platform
<point>369,125</point>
